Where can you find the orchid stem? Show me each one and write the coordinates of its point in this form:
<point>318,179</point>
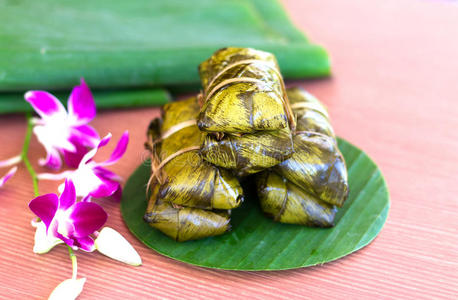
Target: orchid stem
<point>74,262</point>
<point>25,151</point>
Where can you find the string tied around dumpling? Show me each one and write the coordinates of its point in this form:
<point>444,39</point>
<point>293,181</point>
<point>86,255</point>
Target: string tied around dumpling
<point>311,133</point>
<point>173,129</point>
<point>156,163</point>
<point>310,106</point>
<point>207,94</point>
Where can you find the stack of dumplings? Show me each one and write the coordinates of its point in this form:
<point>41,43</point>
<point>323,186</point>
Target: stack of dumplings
<point>244,122</point>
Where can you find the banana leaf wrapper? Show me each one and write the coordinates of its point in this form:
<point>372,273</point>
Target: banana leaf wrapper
<point>285,202</point>
<point>188,180</point>
<point>249,153</point>
<point>243,92</point>
<point>308,187</point>
<point>317,166</point>
<point>184,223</point>
<point>311,115</point>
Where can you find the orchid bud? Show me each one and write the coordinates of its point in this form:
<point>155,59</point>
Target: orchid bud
<point>43,242</point>
<point>112,244</point>
<point>68,289</point>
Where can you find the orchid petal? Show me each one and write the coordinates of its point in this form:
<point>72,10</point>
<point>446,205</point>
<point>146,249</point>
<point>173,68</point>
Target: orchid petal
<point>112,244</point>
<point>68,196</point>
<point>117,195</point>
<point>86,135</point>
<point>85,180</point>
<point>103,142</point>
<point>81,105</point>
<point>106,174</point>
<point>69,241</point>
<point>52,160</point>
<point>45,104</point>
<point>85,243</point>
<point>54,136</point>
<point>10,161</point>
<point>52,230</point>
<point>87,157</point>
<point>53,176</point>
<point>7,176</point>
<point>45,207</point>
<point>105,189</point>
<point>61,228</point>
<point>43,241</point>
<point>87,217</point>
<point>61,187</point>
<point>73,159</point>
<point>119,151</point>
<point>66,144</point>
<point>65,229</point>
<point>68,289</point>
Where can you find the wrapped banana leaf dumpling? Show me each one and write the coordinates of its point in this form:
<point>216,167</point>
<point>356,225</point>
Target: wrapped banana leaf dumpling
<point>184,223</point>
<point>285,202</point>
<point>186,179</point>
<point>243,93</point>
<point>248,153</point>
<point>191,199</point>
<point>317,165</point>
<point>306,188</point>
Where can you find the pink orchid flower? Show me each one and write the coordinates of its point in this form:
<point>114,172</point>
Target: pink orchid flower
<point>61,132</point>
<point>68,220</point>
<point>91,179</point>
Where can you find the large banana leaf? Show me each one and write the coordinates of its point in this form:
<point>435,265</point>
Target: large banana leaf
<point>258,243</point>
<point>51,44</point>
<point>15,103</point>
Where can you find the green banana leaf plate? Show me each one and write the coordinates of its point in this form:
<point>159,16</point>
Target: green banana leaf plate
<point>257,243</point>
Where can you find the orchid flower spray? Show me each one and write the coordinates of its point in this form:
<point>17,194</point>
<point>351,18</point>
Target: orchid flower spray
<point>70,217</point>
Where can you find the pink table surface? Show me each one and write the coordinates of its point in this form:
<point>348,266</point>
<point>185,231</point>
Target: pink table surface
<point>394,93</point>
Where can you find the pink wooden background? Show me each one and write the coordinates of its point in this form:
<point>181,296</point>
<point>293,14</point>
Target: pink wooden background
<point>394,93</point>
